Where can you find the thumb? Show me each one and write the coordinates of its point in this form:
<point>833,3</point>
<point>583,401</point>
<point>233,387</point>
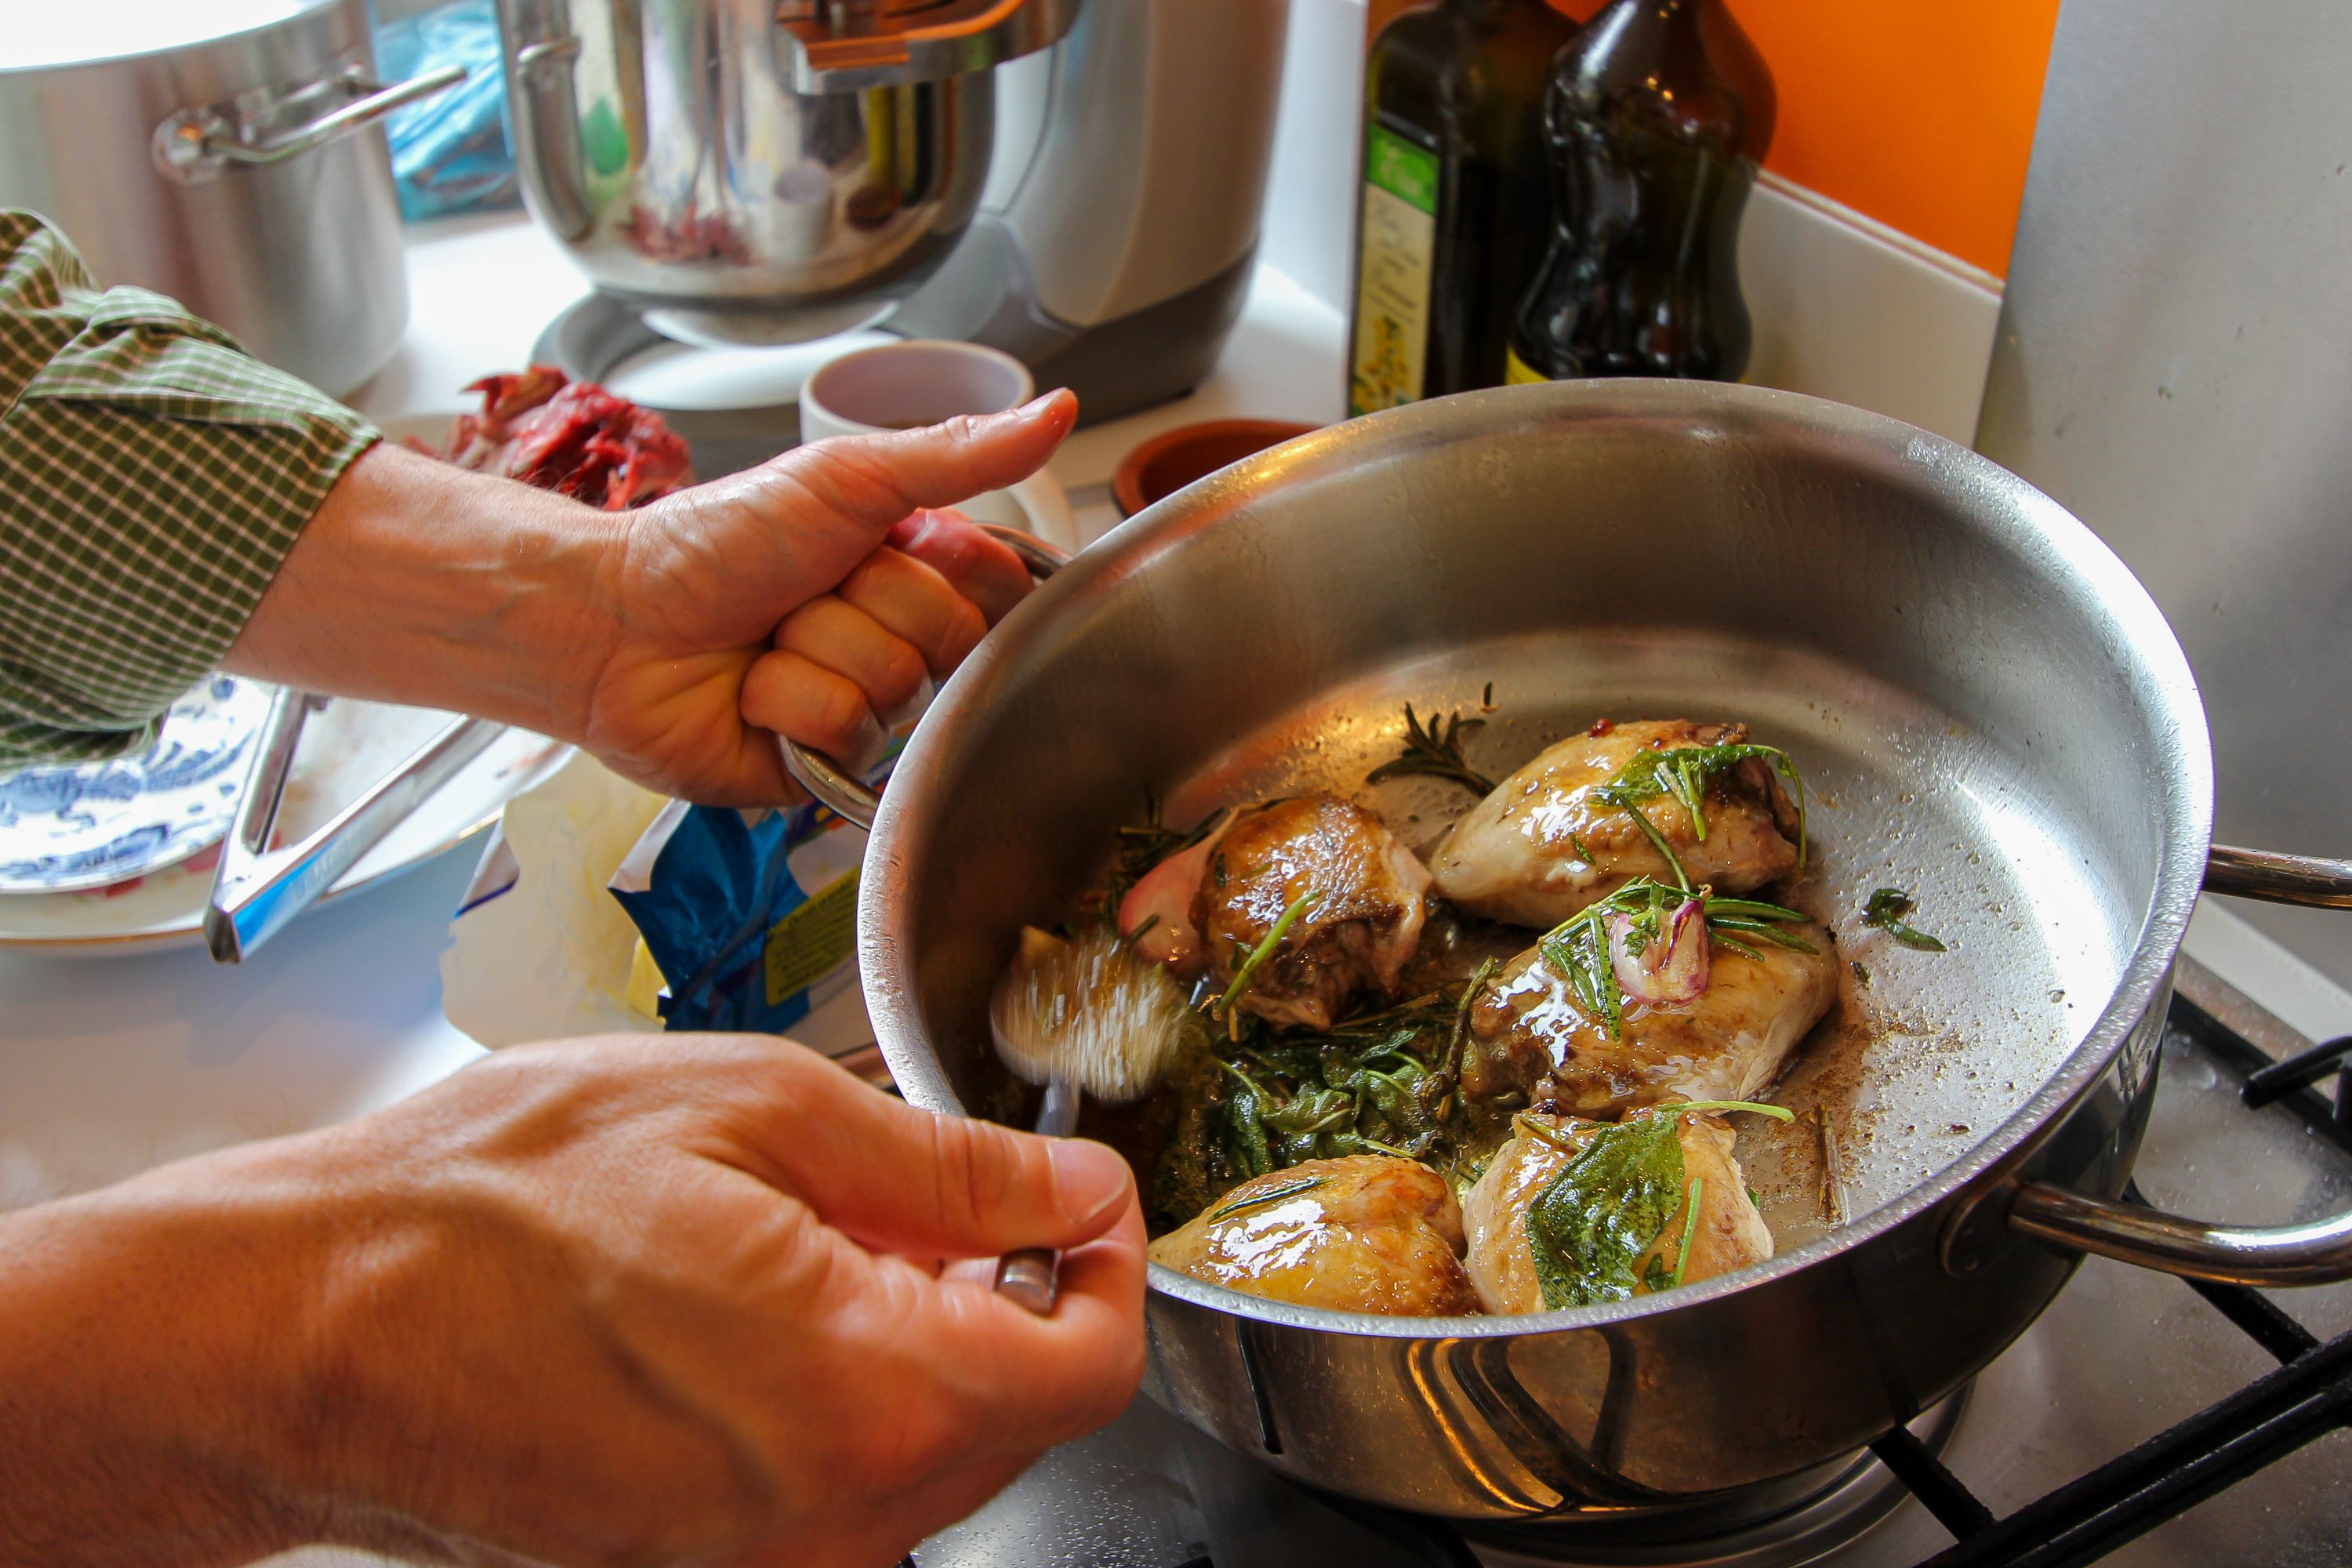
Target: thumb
<point>878,479</point>
<point>897,1179</point>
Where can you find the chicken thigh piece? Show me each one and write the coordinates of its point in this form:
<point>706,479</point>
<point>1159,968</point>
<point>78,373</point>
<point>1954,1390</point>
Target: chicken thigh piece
<point>1730,1234</point>
<point>1530,1032</point>
<point>1364,1234</point>
<point>1360,927</point>
<point>1541,846</point>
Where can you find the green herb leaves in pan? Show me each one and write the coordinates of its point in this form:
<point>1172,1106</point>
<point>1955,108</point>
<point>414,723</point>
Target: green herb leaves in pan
<point>1685,771</point>
<point>1885,910</point>
<point>1434,751</point>
<point>1592,1226</point>
<point>1382,1084</point>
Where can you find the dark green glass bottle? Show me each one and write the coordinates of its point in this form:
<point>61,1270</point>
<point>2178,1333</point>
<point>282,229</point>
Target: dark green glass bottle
<point>1455,206</point>
<point>1657,115</point>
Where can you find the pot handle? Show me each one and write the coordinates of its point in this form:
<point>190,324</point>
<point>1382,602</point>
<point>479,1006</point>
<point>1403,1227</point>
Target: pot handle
<point>2279,879</point>
<point>838,788</point>
<point>2319,1253</point>
<point>199,144</point>
<point>2316,1253</point>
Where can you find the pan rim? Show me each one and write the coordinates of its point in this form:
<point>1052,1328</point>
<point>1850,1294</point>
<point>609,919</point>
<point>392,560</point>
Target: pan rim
<point>2026,520</point>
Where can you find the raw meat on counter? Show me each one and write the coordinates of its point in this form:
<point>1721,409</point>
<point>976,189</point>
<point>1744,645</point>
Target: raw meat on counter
<point>570,436</point>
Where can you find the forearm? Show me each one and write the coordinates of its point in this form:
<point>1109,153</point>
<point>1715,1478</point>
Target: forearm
<point>157,477</point>
<point>144,1378</point>
<point>420,583</point>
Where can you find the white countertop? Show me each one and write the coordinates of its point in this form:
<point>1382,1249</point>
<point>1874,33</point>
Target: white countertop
<point>107,1065</point>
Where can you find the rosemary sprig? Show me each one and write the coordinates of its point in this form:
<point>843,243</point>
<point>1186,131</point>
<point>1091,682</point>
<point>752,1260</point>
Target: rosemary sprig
<point>1457,1038</point>
<point>1749,916</point>
<point>1528,1123</point>
<point>1690,1223</point>
<point>1577,948</point>
<point>1227,1005</point>
<point>1274,1194</point>
<point>1685,1107</point>
<point>1143,846</point>
<point>1658,842</point>
<point>1128,940</point>
<point>1435,751</point>
<point>1410,1015</point>
<point>1885,910</point>
<point>1685,771</point>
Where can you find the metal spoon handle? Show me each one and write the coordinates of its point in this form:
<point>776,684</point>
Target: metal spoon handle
<point>1032,1276</point>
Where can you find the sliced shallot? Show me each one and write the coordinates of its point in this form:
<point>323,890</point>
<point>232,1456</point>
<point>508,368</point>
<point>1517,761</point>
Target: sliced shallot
<point>1673,967</point>
<point>1160,904</point>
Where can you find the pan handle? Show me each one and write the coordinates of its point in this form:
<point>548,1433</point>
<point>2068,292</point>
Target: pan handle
<point>196,145</point>
<point>2279,879</point>
<point>839,788</point>
<point>2319,1253</point>
<point>2316,1253</point>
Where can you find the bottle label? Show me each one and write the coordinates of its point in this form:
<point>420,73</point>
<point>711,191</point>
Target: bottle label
<point>1516,372</point>
<point>1399,241</point>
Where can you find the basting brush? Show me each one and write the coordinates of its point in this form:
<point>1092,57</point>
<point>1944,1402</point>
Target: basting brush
<point>1083,1016</point>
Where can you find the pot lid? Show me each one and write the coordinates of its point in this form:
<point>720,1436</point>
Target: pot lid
<point>64,34</point>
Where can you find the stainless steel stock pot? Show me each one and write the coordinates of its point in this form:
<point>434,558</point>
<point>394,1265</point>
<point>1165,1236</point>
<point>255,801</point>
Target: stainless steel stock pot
<point>229,154</point>
<point>1991,710</point>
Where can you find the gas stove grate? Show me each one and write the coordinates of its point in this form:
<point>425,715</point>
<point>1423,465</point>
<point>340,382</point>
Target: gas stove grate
<point>2307,1397</point>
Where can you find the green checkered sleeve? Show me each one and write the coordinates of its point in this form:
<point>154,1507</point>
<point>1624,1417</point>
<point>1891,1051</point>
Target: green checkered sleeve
<point>152,477</point>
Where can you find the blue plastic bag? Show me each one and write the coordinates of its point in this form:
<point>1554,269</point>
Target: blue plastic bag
<point>751,916</point>
<point>450,152</point>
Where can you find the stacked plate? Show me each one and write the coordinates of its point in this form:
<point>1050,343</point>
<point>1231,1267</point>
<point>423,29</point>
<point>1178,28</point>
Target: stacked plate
<point>117,857</point>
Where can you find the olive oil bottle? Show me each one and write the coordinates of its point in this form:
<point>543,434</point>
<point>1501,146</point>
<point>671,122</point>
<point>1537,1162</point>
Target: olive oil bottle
<point>1656,117</point>
<point>1454,205</point>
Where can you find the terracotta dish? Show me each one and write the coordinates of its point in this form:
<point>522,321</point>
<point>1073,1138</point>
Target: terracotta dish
<point>1174,458</point>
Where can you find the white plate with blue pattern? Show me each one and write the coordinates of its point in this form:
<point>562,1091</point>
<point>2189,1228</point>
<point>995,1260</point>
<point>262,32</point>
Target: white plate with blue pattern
<point>67,828</point>
<point>346,747</point>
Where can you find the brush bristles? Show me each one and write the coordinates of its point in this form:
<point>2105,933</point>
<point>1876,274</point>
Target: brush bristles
<point>1089,1013</point>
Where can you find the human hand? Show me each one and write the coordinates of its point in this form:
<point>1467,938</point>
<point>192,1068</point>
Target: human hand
<point>639,1300</point>
<point>792,599</point>
<point>811,596</point>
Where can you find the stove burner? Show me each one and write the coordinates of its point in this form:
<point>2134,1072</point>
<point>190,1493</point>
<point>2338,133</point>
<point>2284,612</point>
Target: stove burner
<point>1832,1506</point>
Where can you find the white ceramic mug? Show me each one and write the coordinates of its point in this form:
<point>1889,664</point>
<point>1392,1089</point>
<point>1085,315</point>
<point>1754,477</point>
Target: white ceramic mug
<point>904,386</point>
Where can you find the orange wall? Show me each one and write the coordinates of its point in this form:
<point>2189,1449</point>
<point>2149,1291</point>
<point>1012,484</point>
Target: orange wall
<point>1917,112</point>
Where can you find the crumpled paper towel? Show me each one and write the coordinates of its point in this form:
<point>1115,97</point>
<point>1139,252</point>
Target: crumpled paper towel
<point>541,949</point>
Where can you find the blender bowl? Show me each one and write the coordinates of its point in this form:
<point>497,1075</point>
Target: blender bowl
<point>672,147</point>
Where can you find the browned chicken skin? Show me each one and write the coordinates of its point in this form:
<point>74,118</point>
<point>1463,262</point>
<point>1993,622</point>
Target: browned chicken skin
<point>1730,1234</point>
<point>1528,1032</point>
<point>1356,935</point>
<point>1540,848</point>
<point>1364,1234</point>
